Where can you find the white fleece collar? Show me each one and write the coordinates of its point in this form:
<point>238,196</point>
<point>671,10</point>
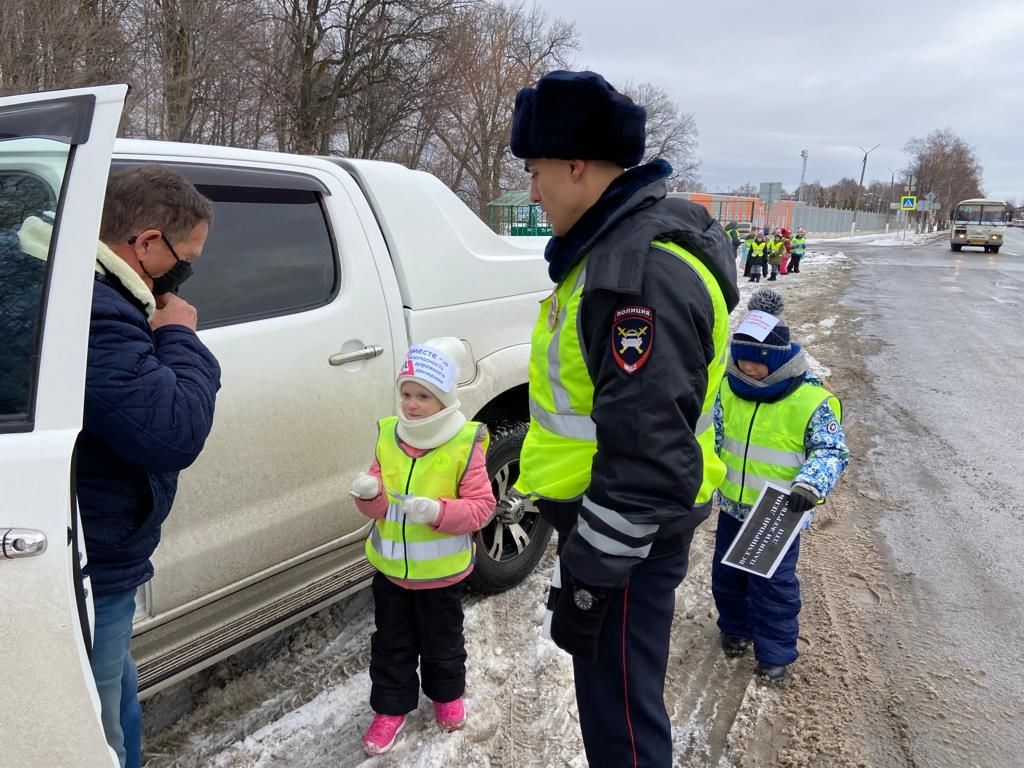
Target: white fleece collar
<point>34,239</point>
<point>109,263</point>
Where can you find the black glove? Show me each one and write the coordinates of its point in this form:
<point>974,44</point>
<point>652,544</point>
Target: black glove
<point>801,499</point>
<point>577,618</point>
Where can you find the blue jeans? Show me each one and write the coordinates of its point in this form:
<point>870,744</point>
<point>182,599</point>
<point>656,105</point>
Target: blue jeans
<point>116,677</point>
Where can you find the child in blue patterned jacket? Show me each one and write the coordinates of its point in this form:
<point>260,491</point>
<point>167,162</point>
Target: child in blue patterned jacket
<point>774,421</point>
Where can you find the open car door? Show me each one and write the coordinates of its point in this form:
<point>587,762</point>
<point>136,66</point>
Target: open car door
<point>55,153</point>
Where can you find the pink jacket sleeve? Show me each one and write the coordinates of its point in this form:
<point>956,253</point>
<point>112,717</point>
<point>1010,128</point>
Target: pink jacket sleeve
<point>375,509</point>
<point>475,504</point>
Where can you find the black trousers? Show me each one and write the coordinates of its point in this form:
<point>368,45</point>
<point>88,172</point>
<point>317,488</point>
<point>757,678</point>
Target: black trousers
<point>794,262</point>
<point>621,696</point>
<point>416,627</point>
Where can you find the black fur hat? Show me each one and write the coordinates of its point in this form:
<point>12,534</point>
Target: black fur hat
<point>578,115</point>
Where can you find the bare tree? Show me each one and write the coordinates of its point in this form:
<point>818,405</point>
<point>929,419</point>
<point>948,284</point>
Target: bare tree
<point>388,119</point>
<point>814,193</point>
<point>745,190</point>
<point>46,45</point>
<point>337,49</point>
<point>876,195</point>
<point>493,51</point>
<point>842,194</point>
<point>945,164</point>
<point>671,133</point>
<point>203,49</point>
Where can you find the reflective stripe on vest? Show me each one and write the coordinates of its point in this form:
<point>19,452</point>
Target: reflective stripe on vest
<point>774,450</point>
<point>560,445</point>
<point>559,448</point>
<point>400,548</point>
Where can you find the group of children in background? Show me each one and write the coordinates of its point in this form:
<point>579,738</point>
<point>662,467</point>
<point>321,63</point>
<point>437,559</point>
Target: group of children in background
<point>428,491</point>
<point>772,255</point>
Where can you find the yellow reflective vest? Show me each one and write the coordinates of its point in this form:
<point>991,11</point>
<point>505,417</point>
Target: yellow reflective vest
<point>757,249</point>
<point>559,448</point>
<point>412,551</point>
<point>765,441</point>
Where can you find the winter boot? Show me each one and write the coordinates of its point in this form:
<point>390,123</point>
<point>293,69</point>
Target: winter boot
<point>773,675</point>
<point>734,645</point>
<point>450,715</point>
<point>773,277</point>
<point>381,734</point>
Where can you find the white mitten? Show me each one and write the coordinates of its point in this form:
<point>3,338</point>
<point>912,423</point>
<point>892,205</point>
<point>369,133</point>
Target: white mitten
<point>420,509</point>
<point>365,487</point>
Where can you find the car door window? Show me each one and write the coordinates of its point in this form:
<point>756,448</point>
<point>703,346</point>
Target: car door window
<point>31,176</point>
<point>269,254</point>
<point>270,251</point>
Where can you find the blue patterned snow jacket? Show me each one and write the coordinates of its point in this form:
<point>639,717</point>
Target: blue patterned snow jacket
<point>824,443</point>
<point>149,400</point>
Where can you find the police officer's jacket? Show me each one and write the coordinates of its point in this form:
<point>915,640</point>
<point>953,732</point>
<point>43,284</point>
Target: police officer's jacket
<point>647,469</point>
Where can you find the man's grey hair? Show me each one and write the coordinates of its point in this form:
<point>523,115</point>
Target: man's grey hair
<point>151,197</point>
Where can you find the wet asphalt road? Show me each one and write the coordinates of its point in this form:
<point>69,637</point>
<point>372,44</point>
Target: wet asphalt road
<point>945,333</point>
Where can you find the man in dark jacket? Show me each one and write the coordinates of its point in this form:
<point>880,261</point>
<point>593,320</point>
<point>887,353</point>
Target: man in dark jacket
<point>149,398</point>
<point>627,356</point>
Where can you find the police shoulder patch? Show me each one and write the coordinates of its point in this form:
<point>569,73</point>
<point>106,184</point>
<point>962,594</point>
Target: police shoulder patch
<point>632,337</point>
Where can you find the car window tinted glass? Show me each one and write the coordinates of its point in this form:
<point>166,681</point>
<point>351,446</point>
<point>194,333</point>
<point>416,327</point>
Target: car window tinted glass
<point>269,253</point>
<point>31,175</point>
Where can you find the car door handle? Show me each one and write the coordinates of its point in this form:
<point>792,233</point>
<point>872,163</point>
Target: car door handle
<point>366,353</point>
<point>21,542</point>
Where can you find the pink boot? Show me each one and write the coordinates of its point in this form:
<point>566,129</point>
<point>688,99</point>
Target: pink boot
<point>451,715</point>
<point>381,734</point>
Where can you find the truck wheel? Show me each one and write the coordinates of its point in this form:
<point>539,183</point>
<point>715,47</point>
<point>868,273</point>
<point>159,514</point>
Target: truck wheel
<point>956,247</point>
<point>995,249</point>
<point>509,546</point>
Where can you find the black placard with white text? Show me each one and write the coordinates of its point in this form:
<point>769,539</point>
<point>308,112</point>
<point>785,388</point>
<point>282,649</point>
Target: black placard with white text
<point>766,534</point>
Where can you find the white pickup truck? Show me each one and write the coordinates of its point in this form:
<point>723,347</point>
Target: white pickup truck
<point>318,274</point>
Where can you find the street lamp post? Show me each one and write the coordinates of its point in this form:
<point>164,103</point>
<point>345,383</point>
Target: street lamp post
<point>803,174</point>
<point>860,186</point>
<point>888,208</point>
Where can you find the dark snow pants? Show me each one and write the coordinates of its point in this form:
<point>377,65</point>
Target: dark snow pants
<point>416,626</point>
<point>764,610</point>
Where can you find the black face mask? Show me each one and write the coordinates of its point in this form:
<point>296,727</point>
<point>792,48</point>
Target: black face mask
<point>171,280</point>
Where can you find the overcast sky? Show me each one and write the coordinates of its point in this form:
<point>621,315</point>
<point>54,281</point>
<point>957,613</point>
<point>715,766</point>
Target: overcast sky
<point>766,80</point>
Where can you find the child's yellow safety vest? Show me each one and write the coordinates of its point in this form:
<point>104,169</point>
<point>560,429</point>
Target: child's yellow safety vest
<point>400,548</point>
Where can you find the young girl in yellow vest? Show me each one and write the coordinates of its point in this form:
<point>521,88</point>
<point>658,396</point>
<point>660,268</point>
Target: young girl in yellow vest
<point>773,421</point>
<point>428,492</point>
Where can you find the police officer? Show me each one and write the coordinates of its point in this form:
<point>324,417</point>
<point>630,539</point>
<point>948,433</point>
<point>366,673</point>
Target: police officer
<point>627,357</point>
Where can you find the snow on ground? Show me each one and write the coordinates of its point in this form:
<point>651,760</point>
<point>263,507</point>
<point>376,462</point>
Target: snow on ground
<point>303,700</point>
<point>890,239</point>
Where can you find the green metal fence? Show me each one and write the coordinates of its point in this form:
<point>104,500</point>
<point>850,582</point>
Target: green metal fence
<point>514,214</point>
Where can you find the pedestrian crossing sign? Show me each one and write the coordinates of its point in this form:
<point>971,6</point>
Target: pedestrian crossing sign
<point>908,203</point>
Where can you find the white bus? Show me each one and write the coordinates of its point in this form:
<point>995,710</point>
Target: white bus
<point>978,222</point>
